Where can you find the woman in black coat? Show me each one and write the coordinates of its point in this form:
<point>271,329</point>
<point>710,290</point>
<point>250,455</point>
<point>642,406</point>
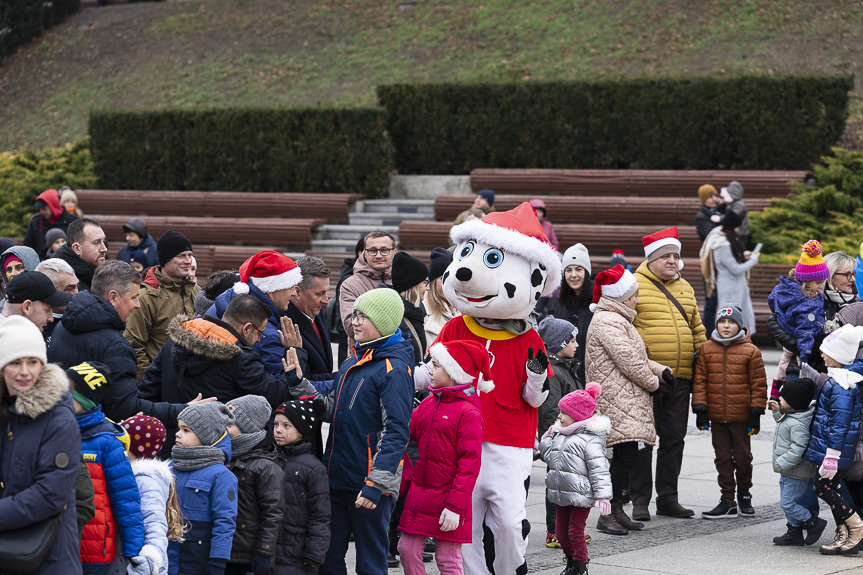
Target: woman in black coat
<point>411,280</point>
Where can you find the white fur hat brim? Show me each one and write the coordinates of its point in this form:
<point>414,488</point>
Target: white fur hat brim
<point>271,284</point>
<point>440,354</point>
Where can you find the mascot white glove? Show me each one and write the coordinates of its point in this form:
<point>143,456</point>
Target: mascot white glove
<point>422,376</point>
<point>448,520</point>
<point>535,390</point>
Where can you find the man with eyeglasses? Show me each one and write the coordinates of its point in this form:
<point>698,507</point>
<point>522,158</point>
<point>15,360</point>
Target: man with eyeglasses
<point>166,291</point>
<point>373,267</point>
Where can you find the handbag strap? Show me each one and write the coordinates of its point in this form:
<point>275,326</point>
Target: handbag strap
<point>673,300</point>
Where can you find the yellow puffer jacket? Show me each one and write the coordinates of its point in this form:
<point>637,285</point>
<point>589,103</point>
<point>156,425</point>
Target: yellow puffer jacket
<point>670,340</point>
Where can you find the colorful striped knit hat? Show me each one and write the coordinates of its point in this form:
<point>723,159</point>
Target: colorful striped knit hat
<point>811,267</point>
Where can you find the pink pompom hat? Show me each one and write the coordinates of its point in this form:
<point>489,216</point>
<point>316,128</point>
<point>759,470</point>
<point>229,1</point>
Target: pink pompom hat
<point>581,404</point>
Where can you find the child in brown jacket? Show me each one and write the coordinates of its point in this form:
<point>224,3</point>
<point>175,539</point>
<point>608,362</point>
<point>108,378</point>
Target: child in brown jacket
<point>729,394</point>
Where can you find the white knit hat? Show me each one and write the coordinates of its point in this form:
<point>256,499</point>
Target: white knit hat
<point>19,337</point>
<point>577,255</point>
<point>842,345</point>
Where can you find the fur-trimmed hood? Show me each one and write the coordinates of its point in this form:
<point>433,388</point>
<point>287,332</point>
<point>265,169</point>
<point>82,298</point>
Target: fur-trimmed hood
<point>45,393</point>
<point>154,468</point>
<point>206,336</point>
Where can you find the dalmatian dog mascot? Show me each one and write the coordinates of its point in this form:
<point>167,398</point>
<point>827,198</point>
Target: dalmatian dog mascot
<point>502,264</point>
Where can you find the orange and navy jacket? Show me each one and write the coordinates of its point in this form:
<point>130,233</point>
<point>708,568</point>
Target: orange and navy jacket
<point>118,503</point>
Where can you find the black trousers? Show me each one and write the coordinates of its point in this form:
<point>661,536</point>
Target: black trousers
<point>624,458</point>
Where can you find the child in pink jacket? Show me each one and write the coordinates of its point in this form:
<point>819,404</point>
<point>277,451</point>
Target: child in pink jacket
<point>447,427</point>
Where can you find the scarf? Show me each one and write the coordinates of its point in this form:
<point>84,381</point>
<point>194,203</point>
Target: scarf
<point>243,443</point>
<point>726,342</point>
<point>839,297</point>
<point>195,458</point>
<point>715,239</point>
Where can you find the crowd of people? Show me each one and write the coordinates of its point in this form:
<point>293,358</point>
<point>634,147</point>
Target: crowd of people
<point>155,426</point>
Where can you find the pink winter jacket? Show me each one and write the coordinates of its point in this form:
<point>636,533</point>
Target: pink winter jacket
<point>448,430</point>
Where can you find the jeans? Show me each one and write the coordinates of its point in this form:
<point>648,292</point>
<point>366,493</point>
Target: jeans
<point>790,491</point>
<point>369,527</point>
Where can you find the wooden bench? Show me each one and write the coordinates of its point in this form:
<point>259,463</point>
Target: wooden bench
<point>661,212</point>
<point>219,204</point>
<point>664,183</point>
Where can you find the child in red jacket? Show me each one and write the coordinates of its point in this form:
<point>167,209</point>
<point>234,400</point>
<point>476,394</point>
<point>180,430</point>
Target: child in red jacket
<point>447,427</point>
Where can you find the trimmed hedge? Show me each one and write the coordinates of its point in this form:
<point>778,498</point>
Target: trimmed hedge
<point>750,122</point>
<point>22,20</point>
<point>309,150</point>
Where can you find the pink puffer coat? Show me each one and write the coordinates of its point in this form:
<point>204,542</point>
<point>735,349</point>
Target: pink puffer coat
<point>448,430</point>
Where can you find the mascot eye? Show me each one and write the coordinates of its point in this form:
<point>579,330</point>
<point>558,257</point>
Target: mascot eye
<point>493,258</point>
<point>466,250</point>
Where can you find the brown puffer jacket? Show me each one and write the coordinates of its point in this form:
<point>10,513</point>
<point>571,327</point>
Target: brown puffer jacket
<point>730,380</point>
<point>617,359</point>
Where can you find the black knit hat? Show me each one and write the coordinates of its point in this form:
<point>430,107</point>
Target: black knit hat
<point>170,245</point>
<point>407,271</point>
<point>798,393</point>
<point>731,220</point>
<point>439,262</point>
<point>301,414</point>
<point>91,381</point>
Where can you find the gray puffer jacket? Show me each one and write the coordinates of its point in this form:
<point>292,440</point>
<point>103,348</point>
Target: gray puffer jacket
<point>577,468</point>
<point>790,439</point>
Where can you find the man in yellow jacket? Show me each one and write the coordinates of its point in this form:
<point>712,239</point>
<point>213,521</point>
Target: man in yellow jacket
<point>670,326</point>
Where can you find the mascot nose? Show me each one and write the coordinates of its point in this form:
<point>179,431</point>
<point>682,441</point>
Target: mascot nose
<point>463,274</point>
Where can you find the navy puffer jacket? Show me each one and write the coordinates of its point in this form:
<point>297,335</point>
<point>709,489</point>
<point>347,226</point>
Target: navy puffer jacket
<point>836,424</point>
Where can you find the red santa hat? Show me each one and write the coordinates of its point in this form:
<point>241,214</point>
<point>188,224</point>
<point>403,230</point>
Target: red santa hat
<point>663,242</point>
<point>465,362</point>
<point>617,283</point>
<point>270,272</point>
<point>516,231</point>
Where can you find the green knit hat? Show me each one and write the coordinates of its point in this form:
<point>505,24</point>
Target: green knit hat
<point>384,306</point>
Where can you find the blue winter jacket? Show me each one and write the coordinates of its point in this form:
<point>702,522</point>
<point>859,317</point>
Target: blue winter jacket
<point>800,316</point>
<point>836,424</point>
<point>370,413</point>
<point>111,473</point>
<point>208,501</point>
<point>270,346</point>
<point>151,257</point>
<point>859,272</point>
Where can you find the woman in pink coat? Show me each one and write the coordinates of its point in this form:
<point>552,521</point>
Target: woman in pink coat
<point>447,427</point>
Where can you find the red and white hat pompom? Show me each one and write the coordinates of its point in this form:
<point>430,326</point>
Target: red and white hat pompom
<point>270,272</point>
<point>465,362</point>
<point>617,283</point>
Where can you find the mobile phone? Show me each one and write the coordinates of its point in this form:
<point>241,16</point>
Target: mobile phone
<point>758,248</point>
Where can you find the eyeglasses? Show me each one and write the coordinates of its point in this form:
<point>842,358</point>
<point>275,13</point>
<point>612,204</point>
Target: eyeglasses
<point>849,276</point>
<point>260,331</point>
<point>383,251</point>
<point>358,318</point>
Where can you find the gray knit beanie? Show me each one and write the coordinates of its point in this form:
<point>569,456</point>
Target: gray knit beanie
<point>251,412</point>
<point>202,303</point>
<point>730,311</point>
<point>556,333</point>
<point>208,421</point>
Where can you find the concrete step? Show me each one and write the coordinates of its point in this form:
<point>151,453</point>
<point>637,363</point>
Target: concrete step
<point>397,206</point>
<point>347,232</point>
<point>377,219</point>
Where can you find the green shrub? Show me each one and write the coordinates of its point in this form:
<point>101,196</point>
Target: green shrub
<point>783,122</point>
<point>26,174</point>
<point>22,20</point>
<point>309,150</point>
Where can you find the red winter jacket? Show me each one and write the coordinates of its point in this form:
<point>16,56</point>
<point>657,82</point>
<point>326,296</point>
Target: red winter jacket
<point>448,430</point>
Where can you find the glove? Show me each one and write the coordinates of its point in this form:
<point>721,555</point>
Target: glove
<point>668,377</point>
<point>701,421</point>
<point>141,565</point>
<point>260,565</point>
<point>775,389</point>
<point>448,520</point>
<point>754,424</point>
<point>829,468</point>
<point>715,218</point>
<point>311,567</point>
<point>213,570</point>
<point>538,364</point>
<point>604,506</point>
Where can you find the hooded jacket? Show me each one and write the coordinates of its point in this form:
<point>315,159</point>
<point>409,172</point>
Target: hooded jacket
<point>447,427</point>
<point>790,439</point>
<point>39,454</point>
<point>735,190</point>
<point>27,256</point>
<point>83,271</point>
<point>91,330</point>
<point>208,502</point>
<point>305,532</point>
<point>563,381</point>
<point>703,224</point>
<point>260,502</point>
<point>800,316</point>
<point>161,300</point>
<point>365,278</point>
<point>836,424</point>
<point>118,503</point>
<point>150,256</point>
<point>730,382</point>
<point>671,339</point>
<point>545,222</point>
<point>617,360</point>
<point>206,356</point>
<point>34,237</point>
<point>577,468</point>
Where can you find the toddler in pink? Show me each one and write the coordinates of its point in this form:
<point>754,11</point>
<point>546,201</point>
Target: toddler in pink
<point>447,427</point>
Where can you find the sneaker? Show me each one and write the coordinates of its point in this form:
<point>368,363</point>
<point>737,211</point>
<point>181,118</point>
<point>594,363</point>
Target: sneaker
<point>551,541</point>
<point>727,509</point>
<point>587,538</point>
<point>744,504</point>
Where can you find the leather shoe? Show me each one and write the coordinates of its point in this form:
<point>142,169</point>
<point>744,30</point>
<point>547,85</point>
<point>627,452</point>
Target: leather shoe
<point>674,509</point>
<point>640,513</point>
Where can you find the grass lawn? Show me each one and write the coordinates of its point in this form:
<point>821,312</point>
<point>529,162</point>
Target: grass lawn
<point>199,53</point>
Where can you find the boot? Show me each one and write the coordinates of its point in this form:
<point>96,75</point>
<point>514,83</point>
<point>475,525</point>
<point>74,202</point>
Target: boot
<point>640,512</point>
<point>623,519</point>
<point>674,509</point>
<point>431,545</point>
<point>813,527</point>
<point>855,535</point>
<point>794,536</point>
<point>838,541</point>
<point>744,504</point>
<point>608,524</point>
<point>580,568</point>
<point>570,567</point>
<point>392,562</point>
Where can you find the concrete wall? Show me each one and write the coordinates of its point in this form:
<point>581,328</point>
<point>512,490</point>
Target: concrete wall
<point>428,187</point>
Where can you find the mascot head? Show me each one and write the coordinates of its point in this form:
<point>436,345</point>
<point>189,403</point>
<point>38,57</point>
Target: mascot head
<point>502,264</point>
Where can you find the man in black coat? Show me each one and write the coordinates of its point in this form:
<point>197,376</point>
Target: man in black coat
<point>214,357</point>
<point>314,352</point>
<point>84,250</point>
<point>92,330</point>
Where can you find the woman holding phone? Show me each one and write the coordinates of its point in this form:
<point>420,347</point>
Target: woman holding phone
<point>731,263</point>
